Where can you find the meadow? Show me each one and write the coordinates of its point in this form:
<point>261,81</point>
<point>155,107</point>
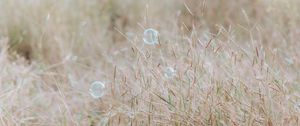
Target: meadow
<point>215,63</point>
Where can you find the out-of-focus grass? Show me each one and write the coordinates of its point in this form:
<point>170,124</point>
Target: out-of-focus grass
<point>236,62</point>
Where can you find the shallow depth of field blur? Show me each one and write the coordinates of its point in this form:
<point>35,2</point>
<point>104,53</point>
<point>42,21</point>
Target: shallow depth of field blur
<point>237,62</point>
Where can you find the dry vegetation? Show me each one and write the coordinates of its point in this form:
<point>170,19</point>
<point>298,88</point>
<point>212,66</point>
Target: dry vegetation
<point>237,62</point>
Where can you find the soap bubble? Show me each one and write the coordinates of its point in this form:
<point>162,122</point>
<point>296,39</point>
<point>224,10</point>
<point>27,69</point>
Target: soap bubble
<point>151,36</point>
<point>97,89</point>
<point>297,106</point>
<point>190,75</point>
<point>170,72</point>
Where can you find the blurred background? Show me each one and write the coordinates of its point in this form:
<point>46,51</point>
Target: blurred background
<point>45,30</point>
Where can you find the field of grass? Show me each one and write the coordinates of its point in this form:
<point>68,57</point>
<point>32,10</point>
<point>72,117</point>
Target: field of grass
<point>236,62</point>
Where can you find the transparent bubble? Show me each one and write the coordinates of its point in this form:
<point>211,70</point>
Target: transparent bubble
<point>190,75</point>
<point>170,72</point>
<point>97,89</point>
<point>151,36</point>
<point>297,106</point>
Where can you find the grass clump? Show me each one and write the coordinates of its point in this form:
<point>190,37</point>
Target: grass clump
<point>20,42</point>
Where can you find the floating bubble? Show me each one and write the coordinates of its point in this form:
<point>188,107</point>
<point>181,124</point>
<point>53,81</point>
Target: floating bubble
<point>170,72</point>
<point>97,89</point>
<point>151,36</point>
<point>297,106</point>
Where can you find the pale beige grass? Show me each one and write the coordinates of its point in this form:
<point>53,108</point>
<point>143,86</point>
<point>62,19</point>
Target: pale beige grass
<point>237,62</point>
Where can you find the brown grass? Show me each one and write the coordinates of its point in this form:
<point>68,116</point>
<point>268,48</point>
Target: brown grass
<point>237,62</point>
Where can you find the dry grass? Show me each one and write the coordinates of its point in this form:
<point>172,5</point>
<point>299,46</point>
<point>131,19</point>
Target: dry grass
<point>237,62</point>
